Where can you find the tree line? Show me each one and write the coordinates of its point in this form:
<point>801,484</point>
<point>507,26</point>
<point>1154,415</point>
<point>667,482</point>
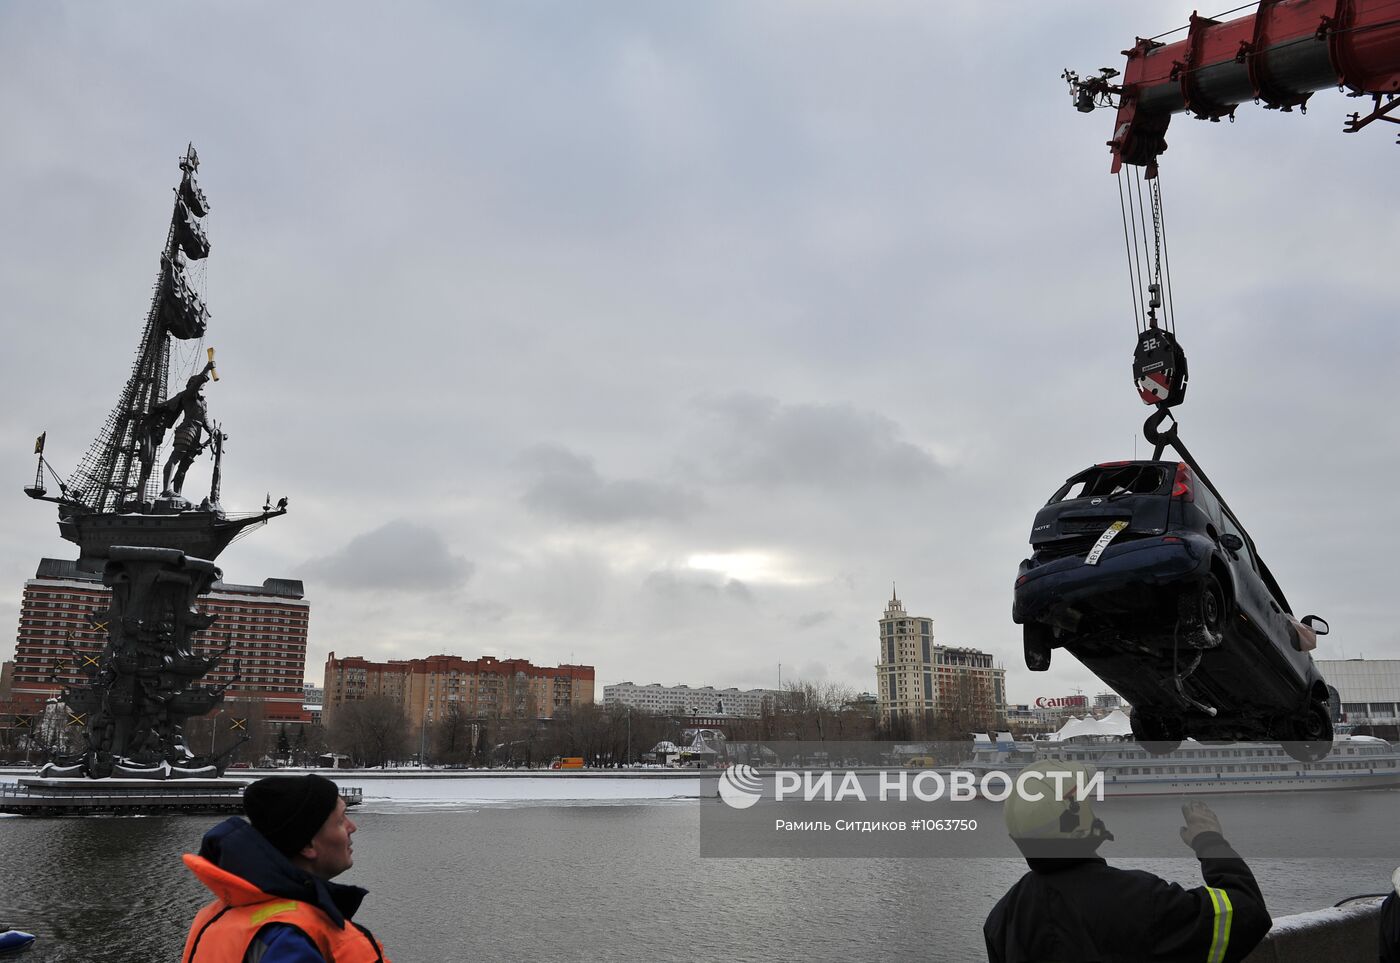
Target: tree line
<point>376,732</point>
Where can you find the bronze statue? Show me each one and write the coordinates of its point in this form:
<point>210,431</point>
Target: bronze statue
<point>155,552</point>
<point>190,403</point>
<point>189,436</point>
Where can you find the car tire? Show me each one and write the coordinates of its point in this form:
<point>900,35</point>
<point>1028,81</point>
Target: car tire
<point>1205,612</point>
<point>1157,735</point>
<point>1312,734</point>
<point>1037,639</point>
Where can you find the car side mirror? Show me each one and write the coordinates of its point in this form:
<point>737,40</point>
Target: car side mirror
<point>1316,623</point>
<point>1232,541</point>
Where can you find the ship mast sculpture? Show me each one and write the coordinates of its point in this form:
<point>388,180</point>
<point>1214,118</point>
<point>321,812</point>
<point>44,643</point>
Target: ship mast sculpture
<point>154,548</point>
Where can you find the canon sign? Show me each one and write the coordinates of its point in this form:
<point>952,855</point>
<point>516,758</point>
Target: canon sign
<point>1061,703</point>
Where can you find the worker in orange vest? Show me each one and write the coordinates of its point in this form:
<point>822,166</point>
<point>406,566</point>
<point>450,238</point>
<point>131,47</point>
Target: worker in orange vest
<point>274,899</point>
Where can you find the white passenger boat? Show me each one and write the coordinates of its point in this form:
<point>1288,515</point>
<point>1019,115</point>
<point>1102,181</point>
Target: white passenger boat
<point>1355,762</point>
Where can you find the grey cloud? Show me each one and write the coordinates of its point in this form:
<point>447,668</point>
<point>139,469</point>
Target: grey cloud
<point>673,586</point>
<point>835,446</point>
<point>398,556</point>
<point>487,611</point>
<point>567,486</point>
<point>862,671</point>
<point>735,589</point>
<point>809,620</point>
<point>812,672</point>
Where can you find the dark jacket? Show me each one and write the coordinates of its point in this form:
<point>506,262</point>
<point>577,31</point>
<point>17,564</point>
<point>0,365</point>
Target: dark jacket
<point>1390,930</point>
<point>1082,909</point>
<point>236,848</point>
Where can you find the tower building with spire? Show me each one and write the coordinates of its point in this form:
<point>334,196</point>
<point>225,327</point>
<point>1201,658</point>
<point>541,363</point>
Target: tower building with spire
<point>916,677</point>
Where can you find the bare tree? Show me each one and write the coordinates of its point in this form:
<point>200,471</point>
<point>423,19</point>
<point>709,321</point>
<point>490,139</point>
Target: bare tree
<point>371,731</point>
<point>452,735</point>
<point>965,707</point>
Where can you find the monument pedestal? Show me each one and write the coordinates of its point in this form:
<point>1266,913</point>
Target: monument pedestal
<point>81,796</point>
<point>64,796</point>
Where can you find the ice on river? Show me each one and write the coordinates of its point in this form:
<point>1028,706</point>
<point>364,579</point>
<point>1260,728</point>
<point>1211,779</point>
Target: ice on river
<point>398,795</point>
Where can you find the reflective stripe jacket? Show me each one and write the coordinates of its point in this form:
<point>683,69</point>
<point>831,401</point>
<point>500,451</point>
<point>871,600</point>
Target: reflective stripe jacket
<point>257,887</point>
<point>1083,909</point>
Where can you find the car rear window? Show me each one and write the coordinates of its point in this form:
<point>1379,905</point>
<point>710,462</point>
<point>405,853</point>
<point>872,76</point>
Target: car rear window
<point>1104,481</point>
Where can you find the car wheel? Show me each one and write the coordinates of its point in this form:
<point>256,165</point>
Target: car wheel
<point>1037,638</point>
<point>1312,734</point>
<point>1204,613</point>
<point>1157,735</point>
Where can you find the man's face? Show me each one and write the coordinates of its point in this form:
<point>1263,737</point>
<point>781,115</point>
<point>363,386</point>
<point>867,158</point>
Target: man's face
<point>329,852</point>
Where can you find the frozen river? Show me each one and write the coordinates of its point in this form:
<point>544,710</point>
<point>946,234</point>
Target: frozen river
<point>512,868</point>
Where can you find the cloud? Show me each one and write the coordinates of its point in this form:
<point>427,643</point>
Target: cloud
<point>811,672</point>
<point>399,556</point>
<point>810,620</point>
<point>567,486</point>
<point>674,586</point>
<point>759,440</point>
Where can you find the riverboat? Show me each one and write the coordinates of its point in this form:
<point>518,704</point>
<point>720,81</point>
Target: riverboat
<point>1195,768</point>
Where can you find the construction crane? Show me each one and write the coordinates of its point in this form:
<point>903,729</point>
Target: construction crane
<point>1278,56</point>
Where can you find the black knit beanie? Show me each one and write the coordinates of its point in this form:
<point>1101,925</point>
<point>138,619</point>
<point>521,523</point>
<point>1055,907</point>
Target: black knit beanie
<point>289,810</point>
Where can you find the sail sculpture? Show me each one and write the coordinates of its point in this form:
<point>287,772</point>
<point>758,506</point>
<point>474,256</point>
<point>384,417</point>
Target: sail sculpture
<point>154,547</point>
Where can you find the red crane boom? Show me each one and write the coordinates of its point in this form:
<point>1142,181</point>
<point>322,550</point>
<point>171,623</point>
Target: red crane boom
<point>1279,56</point>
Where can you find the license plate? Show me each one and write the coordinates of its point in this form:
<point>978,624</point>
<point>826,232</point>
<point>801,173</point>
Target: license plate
<point>1108,536</point>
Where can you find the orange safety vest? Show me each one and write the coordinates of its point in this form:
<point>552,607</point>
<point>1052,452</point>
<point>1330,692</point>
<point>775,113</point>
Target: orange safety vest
<point>224,929</point>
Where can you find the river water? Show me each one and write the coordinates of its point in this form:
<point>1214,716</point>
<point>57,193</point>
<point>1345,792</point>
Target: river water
<point>458,871</point>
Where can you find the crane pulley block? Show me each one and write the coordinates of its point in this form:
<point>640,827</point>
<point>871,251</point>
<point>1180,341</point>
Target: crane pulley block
<point>1159,368</point>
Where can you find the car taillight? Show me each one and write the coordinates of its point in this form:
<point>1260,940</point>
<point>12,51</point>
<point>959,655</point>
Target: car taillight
<point>1020,579</point>
<point>1181,487</point>
<point>1171,538</point>
<point>1111,464</point>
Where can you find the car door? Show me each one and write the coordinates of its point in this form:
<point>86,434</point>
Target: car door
<point>1261,600</point>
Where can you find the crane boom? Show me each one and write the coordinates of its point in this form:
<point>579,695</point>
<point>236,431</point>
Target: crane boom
<point>1278,56</point>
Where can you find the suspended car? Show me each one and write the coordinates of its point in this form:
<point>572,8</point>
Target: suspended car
<point>1141,572</point>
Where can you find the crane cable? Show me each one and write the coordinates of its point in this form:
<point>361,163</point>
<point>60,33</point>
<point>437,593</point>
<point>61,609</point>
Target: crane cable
<point>1149,273</point>
<point>1159,365</point>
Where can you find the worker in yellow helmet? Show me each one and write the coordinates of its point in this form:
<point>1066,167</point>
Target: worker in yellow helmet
<point>1073,906</point>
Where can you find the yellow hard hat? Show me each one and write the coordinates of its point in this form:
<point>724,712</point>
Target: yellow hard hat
<point>1045,804</point>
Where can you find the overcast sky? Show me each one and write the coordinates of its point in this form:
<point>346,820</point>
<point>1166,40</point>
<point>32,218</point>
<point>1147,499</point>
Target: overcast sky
<point>665,337</point>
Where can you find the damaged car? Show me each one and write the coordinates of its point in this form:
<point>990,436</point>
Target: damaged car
<point>1141,572</point>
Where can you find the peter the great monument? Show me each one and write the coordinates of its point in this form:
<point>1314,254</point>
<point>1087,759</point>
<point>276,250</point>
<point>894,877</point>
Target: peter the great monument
<point>128,512</point>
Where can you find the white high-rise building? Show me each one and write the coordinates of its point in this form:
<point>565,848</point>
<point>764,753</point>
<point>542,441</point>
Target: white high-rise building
<point>915,676</point>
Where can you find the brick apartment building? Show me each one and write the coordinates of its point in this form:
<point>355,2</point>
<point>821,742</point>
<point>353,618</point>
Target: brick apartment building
<point>265,626</point>
<point>484,688</point>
